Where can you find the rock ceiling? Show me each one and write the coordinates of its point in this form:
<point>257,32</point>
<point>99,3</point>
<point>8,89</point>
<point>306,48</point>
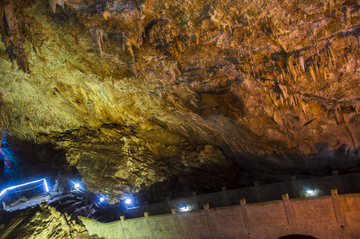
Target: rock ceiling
<point>166,95</point>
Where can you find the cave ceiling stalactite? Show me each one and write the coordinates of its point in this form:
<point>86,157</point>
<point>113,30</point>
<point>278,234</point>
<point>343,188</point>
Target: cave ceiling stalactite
<point>193,94</point>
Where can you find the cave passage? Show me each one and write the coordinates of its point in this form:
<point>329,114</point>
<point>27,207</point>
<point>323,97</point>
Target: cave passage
<point>296,236</point>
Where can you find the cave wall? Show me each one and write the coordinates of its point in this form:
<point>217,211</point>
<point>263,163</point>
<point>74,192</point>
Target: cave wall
<point>184,94</point>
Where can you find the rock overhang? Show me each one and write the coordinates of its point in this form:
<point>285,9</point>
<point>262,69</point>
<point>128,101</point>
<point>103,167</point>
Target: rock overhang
<point>211,94</point>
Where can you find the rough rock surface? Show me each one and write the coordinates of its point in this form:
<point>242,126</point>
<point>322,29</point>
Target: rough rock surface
<point>169,95</point>
<point>42,222</point>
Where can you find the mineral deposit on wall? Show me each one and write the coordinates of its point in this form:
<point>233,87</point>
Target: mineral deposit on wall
<point>188,95</point>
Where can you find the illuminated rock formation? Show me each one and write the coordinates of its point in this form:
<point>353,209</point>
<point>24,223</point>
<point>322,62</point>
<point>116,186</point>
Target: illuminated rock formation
<point>182,95</point>
<point>43,222</point>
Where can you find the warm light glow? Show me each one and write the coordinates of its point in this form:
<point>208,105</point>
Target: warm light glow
<point>24,184</point>
<point>128,201</point>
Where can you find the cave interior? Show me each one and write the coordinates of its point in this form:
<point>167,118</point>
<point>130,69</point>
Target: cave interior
<point>157,99</point>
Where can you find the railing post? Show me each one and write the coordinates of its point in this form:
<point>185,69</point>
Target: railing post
<point>122,224</point>
<point>208,217</point>
<point>288,211</point>
<point>337,208</point>
<point>176,221</point>
<point>244,213</point>
<point>224,196</point>
<point>146,215</point>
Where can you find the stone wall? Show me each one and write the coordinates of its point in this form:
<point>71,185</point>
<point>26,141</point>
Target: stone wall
<point>334,216</point>
<point>259,193</point>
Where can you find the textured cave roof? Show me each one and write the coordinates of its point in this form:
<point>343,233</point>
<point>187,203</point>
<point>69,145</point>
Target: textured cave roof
<point>171,96</point>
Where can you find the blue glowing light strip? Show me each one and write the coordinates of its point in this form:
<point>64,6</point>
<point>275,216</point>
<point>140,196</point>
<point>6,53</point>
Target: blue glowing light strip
<point>9,188</point>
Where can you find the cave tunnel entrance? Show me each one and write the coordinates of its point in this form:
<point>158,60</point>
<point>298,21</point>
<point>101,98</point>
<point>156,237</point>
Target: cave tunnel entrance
<point>297,236</point>
<point>24,162</point>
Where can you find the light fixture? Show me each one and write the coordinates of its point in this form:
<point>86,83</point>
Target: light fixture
<point>128,201</point>
<point>24,184</point>
<point>310,191</point>
<point>184,209</point>
<point>46,186</point>
<point>77,185</point>
<point>102,199</point>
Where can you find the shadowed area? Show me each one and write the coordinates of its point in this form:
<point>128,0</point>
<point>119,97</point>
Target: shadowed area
<point>297,237</point>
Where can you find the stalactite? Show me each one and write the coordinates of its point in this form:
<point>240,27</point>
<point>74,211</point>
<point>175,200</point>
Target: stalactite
<point>331,54</point>
<point>322,70</point>
<point>295,99</point>
<point>303,106</point>
<point>273,99</point>
<point>291,100</point>
<point>54,2</point>
<point>317,69</point>
<point>10,16</point>
<point>348,61</point>
<point>284,91</point>
<point>323,6</point>
<point>282,71</point>
<point>277,70</point>
<point>297,70</point>
<point>12,38</point>
<point>329,61</point>
<point>98,38</point>
<point>290,65</point>
<point>347,15</point>
<point>311,72</point>
<point>330,6</point>
<point>106,15</point>
<point>336,115</point>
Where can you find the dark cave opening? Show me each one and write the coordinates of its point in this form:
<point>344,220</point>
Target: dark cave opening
<point>295,236</point>
<point>25,162</point>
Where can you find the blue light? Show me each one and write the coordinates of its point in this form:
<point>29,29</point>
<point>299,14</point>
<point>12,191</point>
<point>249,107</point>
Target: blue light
<point>128,201</point>
<point>101,199</point>
<point>12,165</point>
<point>184,209</point>
<point>24,184</point>
<point>310,191</point>
<point>46,186</point>
<point>77,186</point>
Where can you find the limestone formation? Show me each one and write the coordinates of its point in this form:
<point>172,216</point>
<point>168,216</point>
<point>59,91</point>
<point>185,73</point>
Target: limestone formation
<point>43,222</point>
<point>183,95</point>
